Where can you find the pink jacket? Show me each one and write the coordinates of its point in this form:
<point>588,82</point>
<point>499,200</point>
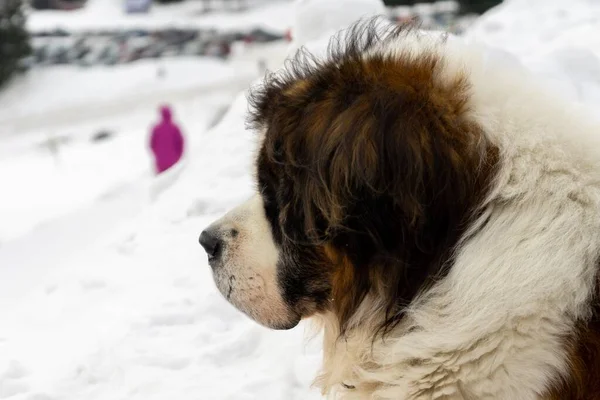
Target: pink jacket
<point>166,142</point>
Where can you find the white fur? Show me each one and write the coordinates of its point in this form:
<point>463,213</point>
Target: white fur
<point>246,273</point>
<point>494,328</point>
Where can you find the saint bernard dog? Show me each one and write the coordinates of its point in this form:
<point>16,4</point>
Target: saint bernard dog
<point>436,212</point>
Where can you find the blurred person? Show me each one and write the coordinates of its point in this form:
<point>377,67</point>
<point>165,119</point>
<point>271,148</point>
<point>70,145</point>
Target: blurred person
<point>166,142</point>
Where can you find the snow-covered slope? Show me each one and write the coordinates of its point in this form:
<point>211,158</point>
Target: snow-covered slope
<point>136,315</point>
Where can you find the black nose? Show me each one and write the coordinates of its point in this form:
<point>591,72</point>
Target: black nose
<point>212,244</point>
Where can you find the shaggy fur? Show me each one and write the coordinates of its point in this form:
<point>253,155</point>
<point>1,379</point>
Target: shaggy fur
<point>438,214</point>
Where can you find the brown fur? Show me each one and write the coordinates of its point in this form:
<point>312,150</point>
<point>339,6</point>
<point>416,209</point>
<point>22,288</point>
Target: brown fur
<point>343,284</point>
<point>376,159</point>
<point>583,381</point>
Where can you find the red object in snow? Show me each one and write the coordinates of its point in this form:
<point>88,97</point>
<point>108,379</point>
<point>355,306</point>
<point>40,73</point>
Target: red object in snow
<point>288,35</point>
<point>167,142</point>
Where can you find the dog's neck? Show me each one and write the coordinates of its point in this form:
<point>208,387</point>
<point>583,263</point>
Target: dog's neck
<point>349,357</point>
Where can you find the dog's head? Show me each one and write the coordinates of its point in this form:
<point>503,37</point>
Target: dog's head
<point>367,172</point>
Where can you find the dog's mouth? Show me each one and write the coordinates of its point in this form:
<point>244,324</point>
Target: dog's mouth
<point>257,308</point>
<point>285,327</point>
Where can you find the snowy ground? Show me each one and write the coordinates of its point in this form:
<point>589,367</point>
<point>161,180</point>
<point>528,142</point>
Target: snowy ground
<point>133,314</point>
<point>558,39</point>
<point>105,293</point>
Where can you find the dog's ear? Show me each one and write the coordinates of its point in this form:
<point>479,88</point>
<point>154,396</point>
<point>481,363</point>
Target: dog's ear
<point>395,175</point>
<point>399,172</point>
<point>399,146</point>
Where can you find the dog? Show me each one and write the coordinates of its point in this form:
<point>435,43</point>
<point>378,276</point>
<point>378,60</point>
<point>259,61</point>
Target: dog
<point>436,213</point>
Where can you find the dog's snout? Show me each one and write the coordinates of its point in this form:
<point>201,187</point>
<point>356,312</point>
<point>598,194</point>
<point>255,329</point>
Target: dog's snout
<point>212,243</point>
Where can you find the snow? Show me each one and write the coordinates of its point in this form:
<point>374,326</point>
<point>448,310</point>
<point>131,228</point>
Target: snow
<point>314,19</point>
<point>135,314</point>
<point>539,25</point>
<point>105,293</point>
<point>558,39</point>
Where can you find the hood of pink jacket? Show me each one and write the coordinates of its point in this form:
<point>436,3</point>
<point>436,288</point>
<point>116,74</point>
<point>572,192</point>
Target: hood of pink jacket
<point>166,113</point>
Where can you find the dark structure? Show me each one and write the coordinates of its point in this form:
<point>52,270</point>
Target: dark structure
<point>14,39</point>
<point>466,6</point>
<point>57,4</point>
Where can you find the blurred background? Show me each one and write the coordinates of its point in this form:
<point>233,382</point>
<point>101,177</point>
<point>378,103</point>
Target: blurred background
<point>122,136</point>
